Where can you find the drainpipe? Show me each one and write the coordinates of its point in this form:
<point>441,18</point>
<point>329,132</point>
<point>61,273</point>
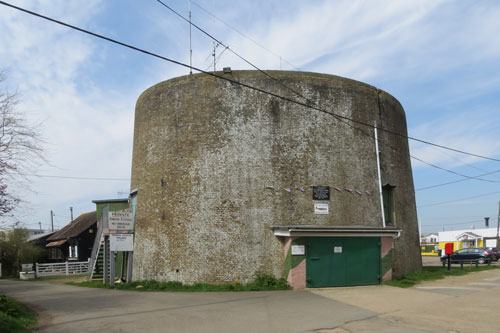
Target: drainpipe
<point>379,174</point>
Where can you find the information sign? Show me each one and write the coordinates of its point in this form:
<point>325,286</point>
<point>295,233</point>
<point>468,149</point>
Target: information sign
<point>298,250</point>
<point>120,221</point>
<point>121,242</point>
<point>321,192</point>
<point>26,267</point>
<point>321,209</point>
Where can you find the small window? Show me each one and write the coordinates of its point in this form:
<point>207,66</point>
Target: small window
<point>73,252</point>
<point>55,253</point>
<point>388,199</point>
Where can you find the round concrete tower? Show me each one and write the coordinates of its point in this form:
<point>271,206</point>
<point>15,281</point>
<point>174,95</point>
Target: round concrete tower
<point>231,181</point>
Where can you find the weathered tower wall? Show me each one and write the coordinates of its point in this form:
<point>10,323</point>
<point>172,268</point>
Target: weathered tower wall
<point>217,164</point>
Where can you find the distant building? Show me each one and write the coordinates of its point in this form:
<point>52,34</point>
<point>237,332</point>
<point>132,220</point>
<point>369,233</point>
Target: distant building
<point>468,238</point>
<point>74,241</point>
<point>429,245</point>
<point>429,239</point>
<point>33,232</point>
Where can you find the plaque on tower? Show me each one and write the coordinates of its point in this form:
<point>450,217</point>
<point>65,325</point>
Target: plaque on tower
<point>321,192</point>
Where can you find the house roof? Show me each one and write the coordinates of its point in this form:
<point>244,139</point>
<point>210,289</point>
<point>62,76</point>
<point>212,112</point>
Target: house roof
<point>110,200</point>
<point>76,227</point>
<point>467,235</point>
<point>35,237</point>
<point>56,243</point>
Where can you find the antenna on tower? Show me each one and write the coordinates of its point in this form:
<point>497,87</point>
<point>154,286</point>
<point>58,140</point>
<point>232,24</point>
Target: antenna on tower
<point>190,45</point>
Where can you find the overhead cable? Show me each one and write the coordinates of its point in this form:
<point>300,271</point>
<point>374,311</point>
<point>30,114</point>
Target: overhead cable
<point>455,181</point>
<point>307,105</point>
<point>74,177</point>
<point>458,200</point>
<point>244,35</point>
<point>446,224</point>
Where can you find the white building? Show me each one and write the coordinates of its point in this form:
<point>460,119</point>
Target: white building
<point>468,238</point>
<point>429,239</point>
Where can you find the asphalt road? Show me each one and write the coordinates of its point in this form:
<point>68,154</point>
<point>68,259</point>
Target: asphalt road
<point>458,304</point>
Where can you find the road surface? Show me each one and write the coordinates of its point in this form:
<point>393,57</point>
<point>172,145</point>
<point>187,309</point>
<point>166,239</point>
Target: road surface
<point>456,304</point>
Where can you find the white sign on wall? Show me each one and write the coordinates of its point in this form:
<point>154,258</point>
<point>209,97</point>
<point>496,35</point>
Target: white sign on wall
<point>321,209</point>
<point>26,267</point>
<point>121,242</point>
<point>298,250</point>
<point>337,249</point>
<point>121,221</point>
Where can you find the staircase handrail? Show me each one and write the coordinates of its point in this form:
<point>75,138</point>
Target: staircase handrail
<point>97,241</point>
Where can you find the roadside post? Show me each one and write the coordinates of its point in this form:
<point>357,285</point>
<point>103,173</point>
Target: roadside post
<point>120,239</point>
<point>448,250</point>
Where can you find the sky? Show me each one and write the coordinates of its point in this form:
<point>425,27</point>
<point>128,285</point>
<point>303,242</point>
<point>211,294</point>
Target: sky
<point>438,58</point>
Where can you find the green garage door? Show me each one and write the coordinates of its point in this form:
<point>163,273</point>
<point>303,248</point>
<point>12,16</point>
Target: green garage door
<point>342,261</point>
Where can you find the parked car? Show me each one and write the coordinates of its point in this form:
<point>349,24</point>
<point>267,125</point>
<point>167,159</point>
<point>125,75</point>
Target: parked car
<point>494,251</point>
<point>473,254</point>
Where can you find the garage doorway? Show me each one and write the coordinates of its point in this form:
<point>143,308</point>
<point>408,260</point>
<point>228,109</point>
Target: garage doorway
<point>342,261</point>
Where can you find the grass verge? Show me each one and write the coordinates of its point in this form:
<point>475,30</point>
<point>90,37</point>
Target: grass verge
<point>428,273</point>
<point>263,282</point>
<point>14,317</point>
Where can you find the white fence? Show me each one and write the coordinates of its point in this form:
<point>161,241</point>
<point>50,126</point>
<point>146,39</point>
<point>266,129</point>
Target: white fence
<point>62,268</point>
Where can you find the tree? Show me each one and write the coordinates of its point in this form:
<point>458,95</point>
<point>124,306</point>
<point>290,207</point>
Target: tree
<point>20,147</point>
<point>15,250</point>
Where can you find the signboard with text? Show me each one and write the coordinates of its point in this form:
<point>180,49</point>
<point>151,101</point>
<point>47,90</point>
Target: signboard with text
<point>120,221</point>
<point>121,242</point>
<point>321,209</point>
<point>298,250</point>
<point>26,267</point>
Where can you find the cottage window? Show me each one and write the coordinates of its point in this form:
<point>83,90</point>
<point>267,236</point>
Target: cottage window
<point>55,253</point>
<point>73,252</point>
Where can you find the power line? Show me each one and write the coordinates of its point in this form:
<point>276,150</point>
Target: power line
<point>74,177</point>
<point>309,102</point>
<point>228,48</point>
<point>317,108</point>
<point>454,172</point>
<point>307,105</point>
<point>446,224</point>
<point>455,181</point>
<point>458,200</point>
<point>244,35</point>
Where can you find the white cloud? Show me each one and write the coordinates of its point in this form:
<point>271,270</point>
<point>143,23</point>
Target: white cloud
<point>462,132</point>
<point>88,132</point>
<point>66,77</point>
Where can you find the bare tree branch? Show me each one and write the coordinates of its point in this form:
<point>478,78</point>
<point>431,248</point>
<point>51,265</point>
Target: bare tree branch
<point>21,149</point>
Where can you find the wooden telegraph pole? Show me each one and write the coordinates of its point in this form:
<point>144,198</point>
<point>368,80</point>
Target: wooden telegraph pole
<point>52,220</point>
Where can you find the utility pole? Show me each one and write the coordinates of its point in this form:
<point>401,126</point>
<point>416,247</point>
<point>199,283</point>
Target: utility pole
<point>420,231</point>
<point>190,45</point>
<point>52,219</point>
<point>40,224</point>
<point>71,212</point>
<point>213,54</point>
<point>498,225</point>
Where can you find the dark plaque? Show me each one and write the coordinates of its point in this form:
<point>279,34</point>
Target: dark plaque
<point>321,192</point>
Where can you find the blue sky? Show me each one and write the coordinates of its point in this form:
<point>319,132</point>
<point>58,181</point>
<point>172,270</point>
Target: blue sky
<point>438,58</point>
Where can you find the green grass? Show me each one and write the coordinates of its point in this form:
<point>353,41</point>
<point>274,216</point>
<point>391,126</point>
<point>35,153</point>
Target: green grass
<point>428,273</point>
<point>14,317</point>
<point>263,282</point>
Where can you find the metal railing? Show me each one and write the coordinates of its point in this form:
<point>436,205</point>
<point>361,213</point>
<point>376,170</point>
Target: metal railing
<point>62,268</point>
